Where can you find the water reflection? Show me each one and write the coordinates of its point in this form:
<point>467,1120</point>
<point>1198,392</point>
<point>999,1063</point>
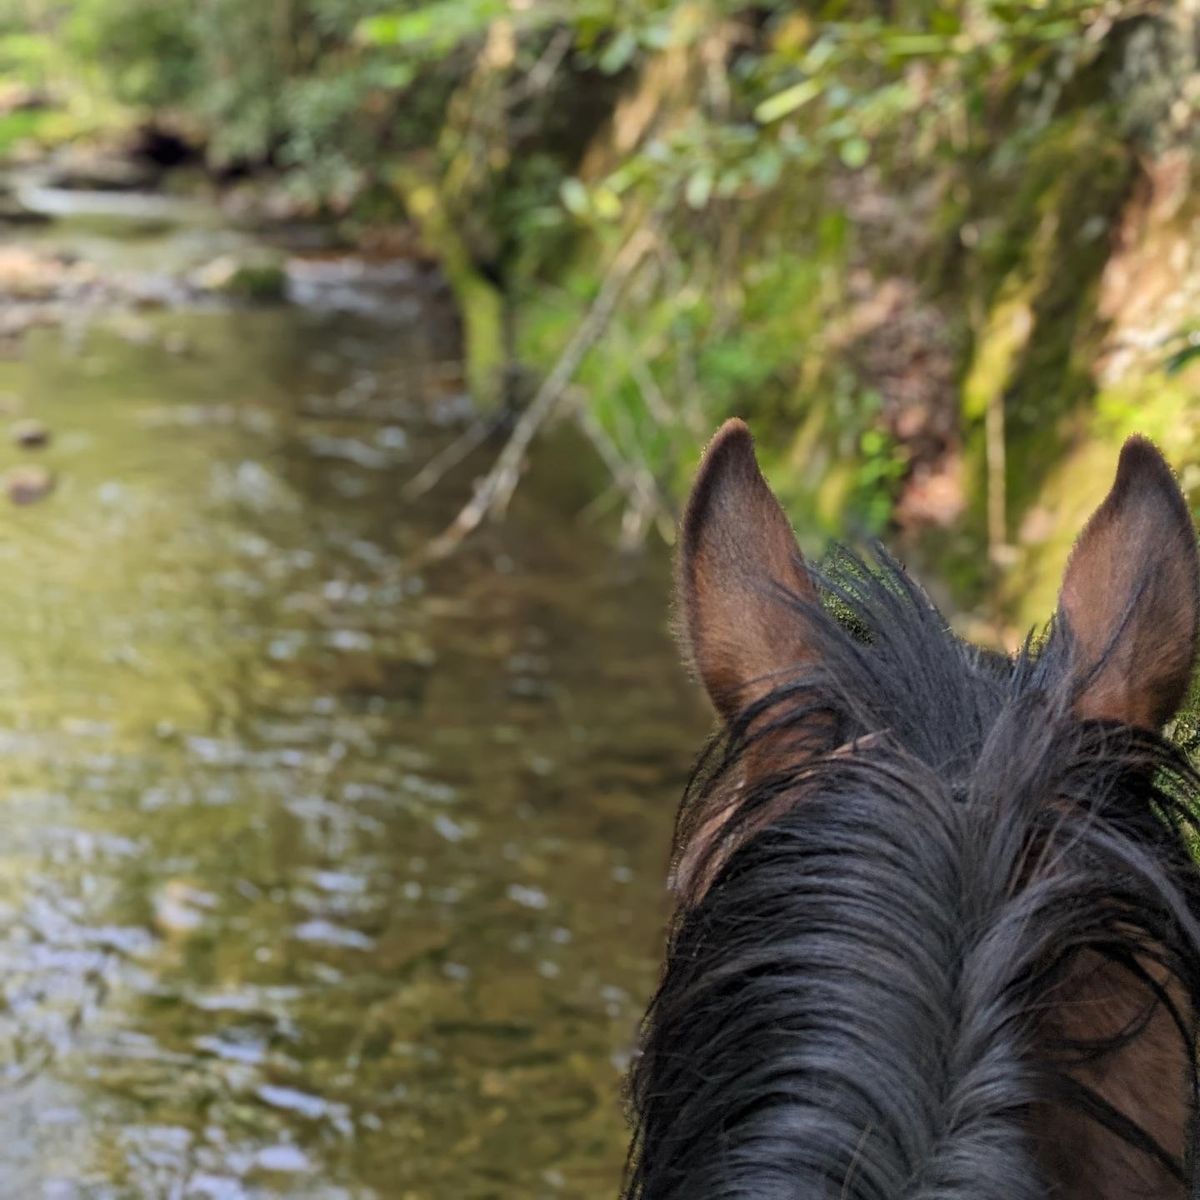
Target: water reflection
<point>320,878</point>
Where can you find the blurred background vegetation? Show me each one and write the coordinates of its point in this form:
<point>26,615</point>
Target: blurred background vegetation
<point>942,254</point>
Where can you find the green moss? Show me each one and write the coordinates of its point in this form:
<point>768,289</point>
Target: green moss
<point>999,344</point>
<point>480,304</point>
<point>260,282</point>
<point>1079,179</point>
<point>20,126</point>
<point>1031,289</point>
<point>1156,405</point>
<point>260,278</point>
<point>1159,406</point>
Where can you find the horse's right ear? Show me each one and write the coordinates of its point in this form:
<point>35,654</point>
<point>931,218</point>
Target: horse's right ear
<point>738,565</point>
<point>1131,596</point>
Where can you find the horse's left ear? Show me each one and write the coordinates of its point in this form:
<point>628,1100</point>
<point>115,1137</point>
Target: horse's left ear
<point>1131,596</point>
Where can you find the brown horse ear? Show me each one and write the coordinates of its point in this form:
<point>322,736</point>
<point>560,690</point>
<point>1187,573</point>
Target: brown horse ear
<point>1131,596</point>
<point>738,563</point>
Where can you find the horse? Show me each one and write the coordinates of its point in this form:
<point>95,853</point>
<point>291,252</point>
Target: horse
<point>937,915</point>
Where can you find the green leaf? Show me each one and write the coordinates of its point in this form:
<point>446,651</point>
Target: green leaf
<point>854,152</point>
<point>398,75</point>
<point>440,25</point>
<point>909,45</point>
<point>766,167</point>
<point>1183,358</point>
<point>1055,31</point>
<point>575,197</point>
<point>657,36</point>
<point>821,51</point>
<point>728,182</point>
<point>699,188</point>
<point>606,202</point>
<point>618,53</point>
<point>784,103</point>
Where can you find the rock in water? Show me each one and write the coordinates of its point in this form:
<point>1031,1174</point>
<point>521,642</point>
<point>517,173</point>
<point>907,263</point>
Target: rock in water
<point>31,434</point>
<point>258,279</point>
<point>28,483</point>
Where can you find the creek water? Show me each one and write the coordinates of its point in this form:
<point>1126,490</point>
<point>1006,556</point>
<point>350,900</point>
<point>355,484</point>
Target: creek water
<point>320,875</point>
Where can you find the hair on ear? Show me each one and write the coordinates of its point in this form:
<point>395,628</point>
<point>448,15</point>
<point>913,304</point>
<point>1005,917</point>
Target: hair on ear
<point>738,564</point>
<point>1131,596</point>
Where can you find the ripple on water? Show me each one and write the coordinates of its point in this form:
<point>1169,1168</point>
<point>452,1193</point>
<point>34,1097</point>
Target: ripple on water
<point>320,878</point>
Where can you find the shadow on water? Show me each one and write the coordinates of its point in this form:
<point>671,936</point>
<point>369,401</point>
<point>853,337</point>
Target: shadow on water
<point>319,878</point>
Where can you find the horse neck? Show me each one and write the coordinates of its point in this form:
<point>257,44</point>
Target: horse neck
<point>1147,1077</point>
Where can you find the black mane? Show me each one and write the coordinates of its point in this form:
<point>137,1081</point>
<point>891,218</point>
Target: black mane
<point>850,1007</point>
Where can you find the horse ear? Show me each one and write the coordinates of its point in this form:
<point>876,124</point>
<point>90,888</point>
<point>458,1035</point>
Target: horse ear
<point>1131,596</point>
<point>738,565</point>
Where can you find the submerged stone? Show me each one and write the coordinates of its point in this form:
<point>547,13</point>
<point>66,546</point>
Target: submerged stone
<point>30,433</point>
<point>259,279</point>
<point>28,483</point>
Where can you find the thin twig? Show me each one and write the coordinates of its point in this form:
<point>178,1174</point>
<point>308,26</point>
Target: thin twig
<point>494,491</point>
<point>633,478</point>
<point>656,403</point>
<point>634,521</point>
<point>601,504</point>
<point>539,76</point>
<point>430,475</point>
<point>644,500</point>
